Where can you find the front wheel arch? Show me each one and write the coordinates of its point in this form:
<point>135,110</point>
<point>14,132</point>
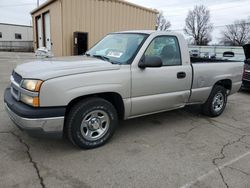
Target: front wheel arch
<point>114,98</point>
<point>80,111</point>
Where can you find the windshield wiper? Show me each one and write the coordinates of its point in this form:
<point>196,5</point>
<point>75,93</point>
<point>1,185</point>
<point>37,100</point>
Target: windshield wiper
<point>104,58</point>
<point>101,57</point>
<point>87,54</point>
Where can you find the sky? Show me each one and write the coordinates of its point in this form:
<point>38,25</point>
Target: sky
<point>223,12</point>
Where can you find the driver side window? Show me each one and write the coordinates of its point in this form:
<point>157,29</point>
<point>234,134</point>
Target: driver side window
<point>167,48</point>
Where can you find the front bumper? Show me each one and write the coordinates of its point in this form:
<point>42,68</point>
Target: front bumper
<point>246,83</point>
<point>35,121</point>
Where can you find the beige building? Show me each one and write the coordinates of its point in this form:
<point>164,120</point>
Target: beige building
<point>70,27</point>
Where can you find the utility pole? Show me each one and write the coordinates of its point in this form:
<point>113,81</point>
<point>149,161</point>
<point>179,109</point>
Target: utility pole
<point>37,3</point>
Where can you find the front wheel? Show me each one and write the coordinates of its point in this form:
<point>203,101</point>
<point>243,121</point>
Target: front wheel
<point>91,123</point>
<point>216,102</point>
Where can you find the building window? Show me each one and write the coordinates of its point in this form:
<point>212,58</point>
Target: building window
<point>18,36</point>
<point>1,35</point>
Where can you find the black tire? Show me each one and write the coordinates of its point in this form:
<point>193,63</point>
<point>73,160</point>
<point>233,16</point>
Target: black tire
<point>209,108</point>
<point>74,121</point>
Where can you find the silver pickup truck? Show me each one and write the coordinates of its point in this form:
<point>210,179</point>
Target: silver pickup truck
<point>125,75</point>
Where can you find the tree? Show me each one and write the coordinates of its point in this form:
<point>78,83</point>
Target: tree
<point>198,25</point>
<point>162,23</point>
<point>237,34</point>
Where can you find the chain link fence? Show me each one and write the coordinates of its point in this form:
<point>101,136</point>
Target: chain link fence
<point>219,50</point>
<point>16,46</point>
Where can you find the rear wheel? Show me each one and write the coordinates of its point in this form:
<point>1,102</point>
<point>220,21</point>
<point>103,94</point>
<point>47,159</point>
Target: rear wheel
<point>91,123</point>
<point>216,102</point>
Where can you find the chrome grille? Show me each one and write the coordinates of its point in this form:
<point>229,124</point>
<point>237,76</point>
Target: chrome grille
<point>17,78</point>
<point>14,92</point>
<point>16,87</point>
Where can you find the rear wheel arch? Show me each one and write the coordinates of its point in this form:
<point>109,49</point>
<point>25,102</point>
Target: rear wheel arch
<point>226,83</point>
<point>216,102</point>
<point>225,87</point>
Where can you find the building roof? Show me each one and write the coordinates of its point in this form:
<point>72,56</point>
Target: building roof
<point>42,6</point>
<point>15,25</point>
<point>121,1</point>
<point>138,6</point>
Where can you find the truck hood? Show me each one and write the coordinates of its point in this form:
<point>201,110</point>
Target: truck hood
<point>56,67</point>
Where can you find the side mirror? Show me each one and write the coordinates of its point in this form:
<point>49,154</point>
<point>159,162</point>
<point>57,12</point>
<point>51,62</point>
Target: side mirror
<point>150,61</point>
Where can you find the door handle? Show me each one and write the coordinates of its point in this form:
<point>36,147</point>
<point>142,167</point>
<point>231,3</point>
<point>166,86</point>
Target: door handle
<point>181,75</point>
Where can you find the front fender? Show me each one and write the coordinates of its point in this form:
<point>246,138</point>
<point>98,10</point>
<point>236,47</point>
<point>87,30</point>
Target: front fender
<point>60,91</point>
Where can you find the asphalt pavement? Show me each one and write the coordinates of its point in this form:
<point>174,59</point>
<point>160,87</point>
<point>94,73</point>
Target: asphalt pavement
<point>181,149</point>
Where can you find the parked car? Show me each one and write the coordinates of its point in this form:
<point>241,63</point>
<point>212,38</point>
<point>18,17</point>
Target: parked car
<point>246,73</point>
<point>211,58</point>
<point>125,75</point>
<point>210,55</point>
<point>194,53</point>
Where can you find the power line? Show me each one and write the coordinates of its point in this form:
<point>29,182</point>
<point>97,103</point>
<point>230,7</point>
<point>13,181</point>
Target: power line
<point>193,4</point>
<point>213,10</point>
<point>224,8</point>
<point>217,26</point>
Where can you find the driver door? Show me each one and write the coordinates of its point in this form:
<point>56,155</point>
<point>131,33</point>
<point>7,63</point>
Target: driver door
<point>162,88</point>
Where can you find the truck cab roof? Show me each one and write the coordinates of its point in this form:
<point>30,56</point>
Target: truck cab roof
<point>149,32</point>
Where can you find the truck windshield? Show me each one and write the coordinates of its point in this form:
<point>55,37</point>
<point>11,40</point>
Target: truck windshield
<point>118,47</point>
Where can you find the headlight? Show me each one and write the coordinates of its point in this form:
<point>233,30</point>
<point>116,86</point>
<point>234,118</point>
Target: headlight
<point>32,85</point>
<point>32,101</point>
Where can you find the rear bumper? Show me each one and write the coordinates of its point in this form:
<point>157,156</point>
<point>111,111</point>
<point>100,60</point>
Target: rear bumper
<point>35,121</point>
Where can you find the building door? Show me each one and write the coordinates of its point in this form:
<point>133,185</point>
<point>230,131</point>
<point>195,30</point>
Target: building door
<point>47,31</point>
<point>39,32</point>
<point>80,43</point>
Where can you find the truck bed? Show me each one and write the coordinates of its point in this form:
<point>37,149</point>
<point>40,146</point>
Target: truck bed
<point>209,60</point>
<point>206,74</point>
